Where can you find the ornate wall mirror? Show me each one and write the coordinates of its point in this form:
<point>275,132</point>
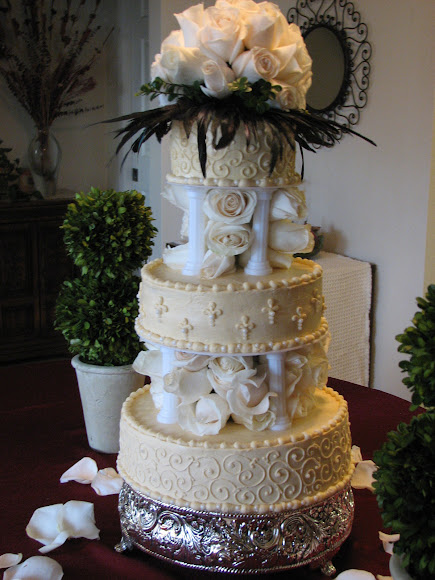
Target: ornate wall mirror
<point>337,42</point>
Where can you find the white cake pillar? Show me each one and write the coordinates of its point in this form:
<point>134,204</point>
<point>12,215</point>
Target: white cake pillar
<point>258,264</point>
<point>196,231</point>
<point>276,364</point>
<point>168,413</point>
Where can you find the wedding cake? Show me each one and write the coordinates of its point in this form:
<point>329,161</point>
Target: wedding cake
<point>237,456</point>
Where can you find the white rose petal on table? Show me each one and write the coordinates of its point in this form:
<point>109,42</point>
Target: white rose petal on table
<point>35,568</point>
<point>107,482</point>
<point>388,541</point>
<point>354,574</point>
<point>8,560</point>
<point>362,477</point>
<point>52,525</point>
<point>84,471</point>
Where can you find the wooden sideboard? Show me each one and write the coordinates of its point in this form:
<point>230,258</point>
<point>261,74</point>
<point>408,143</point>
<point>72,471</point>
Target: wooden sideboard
<point>33,263</point>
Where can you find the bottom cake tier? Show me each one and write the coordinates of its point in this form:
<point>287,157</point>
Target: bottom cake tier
<point>239,501</point>
<point>237,543</point>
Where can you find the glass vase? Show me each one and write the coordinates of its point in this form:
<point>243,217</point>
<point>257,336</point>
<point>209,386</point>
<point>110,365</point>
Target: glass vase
<point>44,155</point>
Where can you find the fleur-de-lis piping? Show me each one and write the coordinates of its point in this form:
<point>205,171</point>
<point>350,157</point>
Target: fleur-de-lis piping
<point>160,307</point>
<point>212,312</point>
<point>299,317</point>
<point>185,326</point>
<point>271,309</point>
<point>317,301</point>
<point>245,327</point>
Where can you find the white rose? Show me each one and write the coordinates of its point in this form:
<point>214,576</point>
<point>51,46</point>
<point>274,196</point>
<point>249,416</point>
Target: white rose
<point>222,33</point>
<point>286,236</point>
<point>188,386</point>
<point>182,65</point>
<point>256,422</point>
<point>287,203</point>
<point>257,63</point>
<point>230,206</point>
<point>214,266</point>
<point>266,27</point>
<point>176,258</point>
<point>226,372</point>
<point>191,362</point>
<point>216,79</point>
<point>191,21</point>
<point>205,417</point>
<point>228,239</point>
<point>290,98</point>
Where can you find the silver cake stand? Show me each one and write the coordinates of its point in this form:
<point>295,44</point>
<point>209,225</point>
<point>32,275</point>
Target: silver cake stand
<point>237,543</point>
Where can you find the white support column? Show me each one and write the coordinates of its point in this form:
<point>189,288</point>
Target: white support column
<point>258,264</point>
<point>196,231</point>
<point>168,413</point>
<point>276,363</point>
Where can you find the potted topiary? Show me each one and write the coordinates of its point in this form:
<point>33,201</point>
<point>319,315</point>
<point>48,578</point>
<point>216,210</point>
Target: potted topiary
<point>108,234</point>
<point>405,479</point>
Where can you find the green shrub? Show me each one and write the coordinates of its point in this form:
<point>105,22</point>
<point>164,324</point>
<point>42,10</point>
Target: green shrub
<point>106,232</point>
<point>418,341</point>
<point>405,478</point>
<point>109,235</point>
<point>405,489</point>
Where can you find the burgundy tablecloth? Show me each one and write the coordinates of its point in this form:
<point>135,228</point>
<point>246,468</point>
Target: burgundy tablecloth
<point>42,435</point>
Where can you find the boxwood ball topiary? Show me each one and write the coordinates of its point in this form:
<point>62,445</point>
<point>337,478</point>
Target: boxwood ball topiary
<point>108,232</point>
<point>418,341</point>
<point>97,317</point>
<point>405,490</point>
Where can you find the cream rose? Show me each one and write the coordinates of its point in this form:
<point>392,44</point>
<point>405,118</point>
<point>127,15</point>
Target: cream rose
<point>188,386</point>
<point>181,65</point>
<point>222,33</point>
<point>286,236</point>
<point>266,27</point>
<point>191,21</point>
<point>287,203</point>
<point>228,239</point>
<point>191,362</point>
<point>205,417</point>
<point>290,98</point>
<point>231,207</point>
<point>149,363</point>
<point>214,266</point>
<point>216,79</point>
<point>257,63</point>
<point>176,258</point>
<point>225,372</point>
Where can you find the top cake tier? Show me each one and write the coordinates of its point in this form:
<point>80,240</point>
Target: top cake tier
<point>239,164</point>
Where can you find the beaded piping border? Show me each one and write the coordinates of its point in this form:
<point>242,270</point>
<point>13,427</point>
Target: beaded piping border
<point>236,543</point>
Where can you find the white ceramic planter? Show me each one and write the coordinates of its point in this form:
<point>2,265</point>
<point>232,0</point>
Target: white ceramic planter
<point>396,570</point>
<point>103,390</point>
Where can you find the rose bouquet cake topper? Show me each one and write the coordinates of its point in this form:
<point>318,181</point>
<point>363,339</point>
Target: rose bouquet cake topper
<point>236,64</point>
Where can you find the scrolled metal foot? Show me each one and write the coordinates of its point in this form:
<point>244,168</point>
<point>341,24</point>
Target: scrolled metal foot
<point>328,568</point>
<point>123,545</point>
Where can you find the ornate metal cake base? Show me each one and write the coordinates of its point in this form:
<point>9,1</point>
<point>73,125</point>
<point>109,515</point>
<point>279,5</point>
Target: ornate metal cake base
<point>237,543</point>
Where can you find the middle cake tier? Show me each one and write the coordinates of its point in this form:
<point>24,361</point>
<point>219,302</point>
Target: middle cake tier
<point>235,313</point>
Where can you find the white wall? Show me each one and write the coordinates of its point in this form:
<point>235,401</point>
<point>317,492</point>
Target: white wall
<point>372,203</point>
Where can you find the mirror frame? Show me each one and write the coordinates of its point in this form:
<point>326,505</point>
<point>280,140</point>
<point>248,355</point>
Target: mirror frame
<point>340,17</point>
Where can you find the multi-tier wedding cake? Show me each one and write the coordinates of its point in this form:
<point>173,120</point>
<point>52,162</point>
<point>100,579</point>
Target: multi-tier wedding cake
<point>236,457</point>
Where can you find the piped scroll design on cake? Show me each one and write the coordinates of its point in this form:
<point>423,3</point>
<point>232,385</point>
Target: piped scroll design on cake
<point>248,478</point>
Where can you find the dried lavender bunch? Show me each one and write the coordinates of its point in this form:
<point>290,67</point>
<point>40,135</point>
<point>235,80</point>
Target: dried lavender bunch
<point>47,50</point>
